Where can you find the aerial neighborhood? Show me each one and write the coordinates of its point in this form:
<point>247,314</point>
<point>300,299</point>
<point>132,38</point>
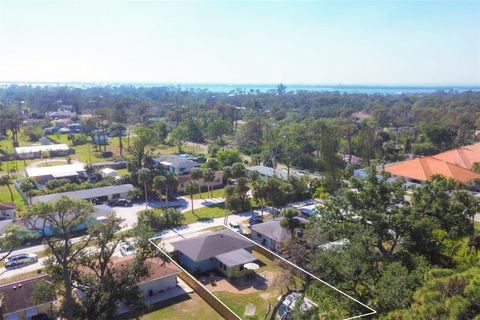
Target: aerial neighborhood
<point>160,211</point>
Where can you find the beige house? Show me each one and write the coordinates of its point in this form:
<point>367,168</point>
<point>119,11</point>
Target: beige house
<point>161,283</point>
<point>216,183</point>
<point>17,300</point>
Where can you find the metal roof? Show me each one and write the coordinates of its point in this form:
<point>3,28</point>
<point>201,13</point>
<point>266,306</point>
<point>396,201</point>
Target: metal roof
<point>176,161</point>
<point>269,171</point>
<point>67,170</point>
<point>86,193</point>
<point>40,148</point>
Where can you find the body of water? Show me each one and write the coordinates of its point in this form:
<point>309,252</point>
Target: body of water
<point>246,88</point>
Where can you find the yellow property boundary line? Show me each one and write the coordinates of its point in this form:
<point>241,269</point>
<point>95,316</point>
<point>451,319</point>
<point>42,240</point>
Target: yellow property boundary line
<point>372,311</point>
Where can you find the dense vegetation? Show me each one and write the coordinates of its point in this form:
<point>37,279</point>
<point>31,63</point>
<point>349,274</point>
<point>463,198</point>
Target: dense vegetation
<point>408,255</point>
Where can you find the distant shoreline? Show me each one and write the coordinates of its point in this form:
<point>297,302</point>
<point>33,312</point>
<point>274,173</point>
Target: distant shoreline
<point>227,88</point>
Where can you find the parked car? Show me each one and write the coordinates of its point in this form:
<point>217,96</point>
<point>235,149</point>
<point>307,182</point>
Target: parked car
<point>309,211</point>
<point>200,159</point>
<point>272,210</point>
<point>235,227</point>
<point>255,219</point>
<point>20,260</point>
<point>127,250</point>
<point>121,203</point>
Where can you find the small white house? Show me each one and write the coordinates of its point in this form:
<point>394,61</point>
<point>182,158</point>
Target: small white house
<point>108,172</point>
<point>100,139</point>
<point>31,152</point>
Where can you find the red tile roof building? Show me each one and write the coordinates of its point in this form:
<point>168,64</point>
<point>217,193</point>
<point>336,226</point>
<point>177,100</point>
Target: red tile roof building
<point>422,169</point>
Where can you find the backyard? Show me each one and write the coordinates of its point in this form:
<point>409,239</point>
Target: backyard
<point>193,307</point>
<point>274,276</point>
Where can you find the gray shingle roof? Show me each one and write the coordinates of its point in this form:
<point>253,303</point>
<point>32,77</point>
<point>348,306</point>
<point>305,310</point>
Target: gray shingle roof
<point>273,229</point>
<point>236,257</point>
<point>86,193</point>
<point>177,161</point>
<point>211,244</point>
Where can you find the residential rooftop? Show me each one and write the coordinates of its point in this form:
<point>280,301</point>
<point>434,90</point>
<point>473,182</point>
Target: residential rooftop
<point>423,168</point>
<point>67,170</point>
<point>463,157</point>
<point>41,148</point>
<point>19,295</point>
<point>211,245</point>
<point>86,193</point>
<point>269,171</point>
<point>176,161</point>
<point>273,230</point>
<point>157,267</point>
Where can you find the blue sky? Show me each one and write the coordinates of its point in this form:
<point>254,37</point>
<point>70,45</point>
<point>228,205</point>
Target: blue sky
<point>316,42</point>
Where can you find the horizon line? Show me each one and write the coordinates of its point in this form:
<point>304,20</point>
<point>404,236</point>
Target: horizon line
<point>307,84</point>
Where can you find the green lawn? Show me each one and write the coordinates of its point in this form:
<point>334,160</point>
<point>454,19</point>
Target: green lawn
<point>238,301</point>
<point>205,213</point>
<point>5,195</point>
<point>166,149</point>
<point>217,193</point>
<point>191,308</point>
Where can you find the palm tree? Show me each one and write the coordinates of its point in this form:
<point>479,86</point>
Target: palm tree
<point>238,170</point>
<point>45,155</point>
<point>160,184</point>
<point>144,176</point>
<point>209,177</point>
<point>196,174</point>
<point>172,183</point>
<point>118,129</point>
<point>191,187</point>
<point>289,220</point>
<point>260,193</point>
<point>6,180</point>
<point>227,173</point>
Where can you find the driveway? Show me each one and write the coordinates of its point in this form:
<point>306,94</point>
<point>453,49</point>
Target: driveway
<point>130,214</point>
<point>53,161</point>
<point>199,203</point>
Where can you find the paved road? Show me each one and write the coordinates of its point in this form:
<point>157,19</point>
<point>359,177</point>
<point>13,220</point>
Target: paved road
<point>168,236</point>
<point>15,272</point>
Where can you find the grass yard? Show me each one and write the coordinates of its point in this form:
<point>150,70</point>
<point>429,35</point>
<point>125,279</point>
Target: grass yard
<point>205,213</point>
<point>86,153</point>
<point>5,195</point>
<point>165,149</point>
<point>191,308</point>
<point>261,299</point>
<point>217,193</point>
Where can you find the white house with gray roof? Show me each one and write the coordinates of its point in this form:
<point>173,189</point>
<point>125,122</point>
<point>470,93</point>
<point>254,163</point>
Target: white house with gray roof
<point>177,164</point>
<point>95,195</point>
<point>224,251</point>
<point>267,172</point>
<point>67,171</point>
<point>35,151</point>
<point>271,234</point>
